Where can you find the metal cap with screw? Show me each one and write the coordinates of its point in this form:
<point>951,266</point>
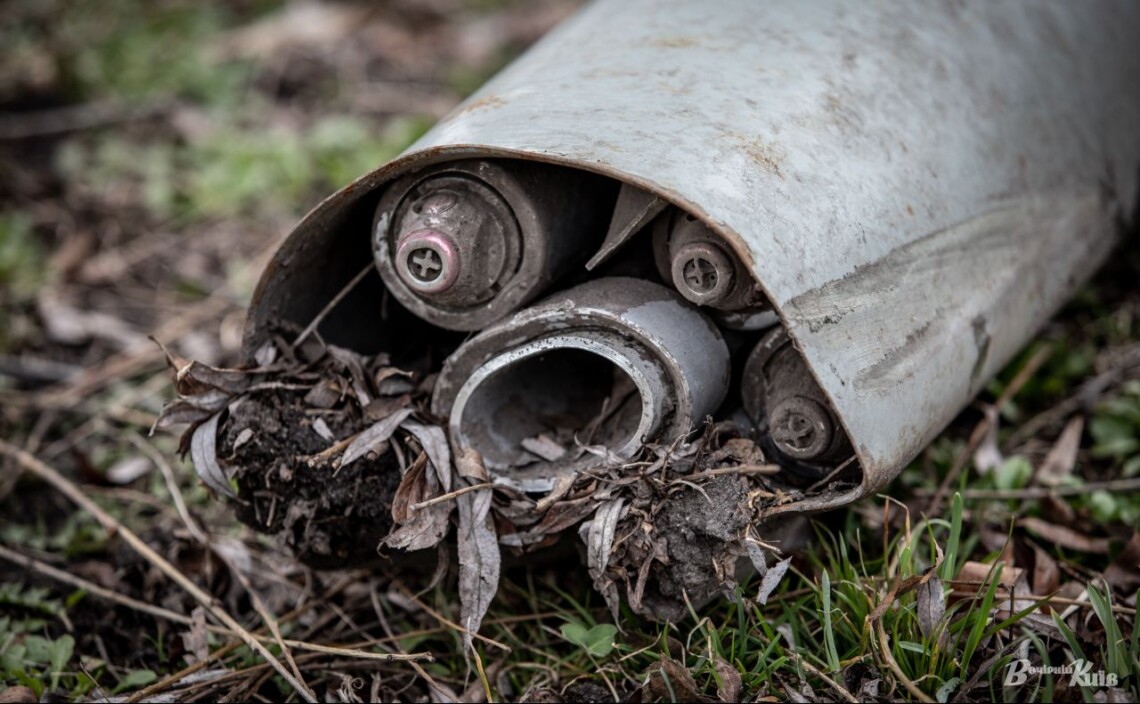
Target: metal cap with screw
<point>702,273</point>
<point>800,428</point>
<point>427,261</point>
<point>702,269</point>
<point>463,243</point>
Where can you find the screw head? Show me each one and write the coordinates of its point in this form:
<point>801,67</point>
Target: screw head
<point>800,428</point>
<point>427,261</point>
<point>702,273</point>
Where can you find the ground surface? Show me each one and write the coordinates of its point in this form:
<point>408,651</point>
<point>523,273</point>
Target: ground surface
<point>151,154</point>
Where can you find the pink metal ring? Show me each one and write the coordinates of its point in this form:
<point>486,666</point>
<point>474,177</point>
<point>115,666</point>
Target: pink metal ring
<point>427,261</point>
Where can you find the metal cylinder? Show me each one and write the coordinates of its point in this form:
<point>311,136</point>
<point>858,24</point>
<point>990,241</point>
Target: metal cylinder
<point>612,364</point>
<point>465,243</point>
<point>706,272</point>
<point>916,186</point>
<point>791,412</point>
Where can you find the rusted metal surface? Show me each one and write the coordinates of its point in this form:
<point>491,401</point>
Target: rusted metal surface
<point>915,186</point>
<point>622,362</point>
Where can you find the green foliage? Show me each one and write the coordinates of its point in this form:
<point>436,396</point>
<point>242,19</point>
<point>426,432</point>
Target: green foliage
<point>134,49</point>
<point>22,260</point>
<point>1014,473</point>
<point>597,641</point>
<point>134,679</point>
<point>1116,429</point>
<point>236,170</point>
<point>78,534</point>
<point>27,656</point>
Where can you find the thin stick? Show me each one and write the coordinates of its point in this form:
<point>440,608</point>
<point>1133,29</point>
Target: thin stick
<point>171,485</point>
<point>169,680</point>
<point>159,612</point>
<point>907,683</point>
<point>332,304</point>
<point>79,583</point>
<point>452,495</point>
<point>745,469</point>
<point>446,621</point>
<point>172,679</point>
<point>482,675</point>
<point>133,360</point>
<point>112,525</point>
<point>840,689</point>
<point>831,475</point>
<point>78,117</point>
<point>267,618</point>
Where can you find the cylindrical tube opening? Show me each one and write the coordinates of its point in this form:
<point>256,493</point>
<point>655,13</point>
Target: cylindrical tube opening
<point>541,407</point>
<point>586,378</point>
<point>537,407</point>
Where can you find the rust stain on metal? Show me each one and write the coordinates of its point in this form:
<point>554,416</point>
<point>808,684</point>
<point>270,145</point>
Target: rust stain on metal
<point>486,102</point>
<point>675,42</point>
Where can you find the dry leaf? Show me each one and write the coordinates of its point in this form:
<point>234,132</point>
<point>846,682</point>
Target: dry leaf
<point>297,25</point>
<point>204,455</point>
<point>354,364</point>
<point>988,457</point>
<point>671,681</point>
<point>70,325</point>
<point>129,469</point>
<point>563,483</point>
<point>419,528</point>
<point>931,605</point>
<point>320,427</point>
<point>195,378</point>
<point>434,443</point>
<point>1064,537</point>
<point>479,560</point>
<point>373,436</point>
<point>1062,458</point>
<point>381,408</point>
<point>600,536</point>
<point>190,410</point>
<point>1046,574</point>
<point>730,682</point>
<point>196,639</point>
<point>974,578</point>
<point>544,447</point>
<point>772,579</point>
<point>326,394</point>
<point>469,463</point>
<point>18,694</point>
<point>1124,572</point>
<point>756,555</point>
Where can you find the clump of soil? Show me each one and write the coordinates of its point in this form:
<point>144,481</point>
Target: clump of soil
<point>328,515</point>
<point>701,529</point>
<point>312,444</point>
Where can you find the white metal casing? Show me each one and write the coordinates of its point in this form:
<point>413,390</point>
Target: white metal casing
<point>916,185</point>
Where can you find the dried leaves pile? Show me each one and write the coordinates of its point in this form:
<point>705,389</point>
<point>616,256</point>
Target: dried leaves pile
<point>337,455</point>
<point>334,453</point>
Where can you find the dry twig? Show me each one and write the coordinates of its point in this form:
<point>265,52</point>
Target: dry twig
<point>112,525</point>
